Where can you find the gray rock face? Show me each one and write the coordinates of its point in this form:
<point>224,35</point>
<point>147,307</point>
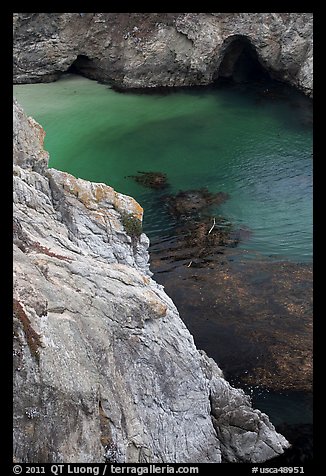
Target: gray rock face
<point>104,368</point>
<point>140,50</point>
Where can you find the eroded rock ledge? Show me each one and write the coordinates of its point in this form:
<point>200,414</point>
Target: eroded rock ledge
<point>147,50</point>
<point>104,368</point>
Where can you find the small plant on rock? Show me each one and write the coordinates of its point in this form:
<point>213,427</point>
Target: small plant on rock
<point>132,225</point>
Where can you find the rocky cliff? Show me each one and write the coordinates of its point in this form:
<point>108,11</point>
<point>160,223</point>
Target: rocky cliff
<point>141,50</point>
<point>104,368</point>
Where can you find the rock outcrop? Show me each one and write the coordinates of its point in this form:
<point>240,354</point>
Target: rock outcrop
<point>104,368</point>
<point>142,50</point>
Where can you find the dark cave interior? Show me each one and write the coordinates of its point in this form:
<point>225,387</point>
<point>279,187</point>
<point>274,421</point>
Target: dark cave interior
<point>241,63</point>
<point>84,66</point>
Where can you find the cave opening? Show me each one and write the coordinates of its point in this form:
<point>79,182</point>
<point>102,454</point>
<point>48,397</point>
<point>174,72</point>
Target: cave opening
<point>83,66</point>
<point>241,63</point>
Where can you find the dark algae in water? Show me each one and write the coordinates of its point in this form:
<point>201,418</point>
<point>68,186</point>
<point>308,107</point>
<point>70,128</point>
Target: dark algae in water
<point>155,180</point>
<point>188,202</point>
<point>197,233</point>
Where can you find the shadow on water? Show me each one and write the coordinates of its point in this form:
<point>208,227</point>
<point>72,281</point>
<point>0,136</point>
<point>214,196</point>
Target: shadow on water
<point>272,94</point>
<point>301,439</point>
<point>254,317</point>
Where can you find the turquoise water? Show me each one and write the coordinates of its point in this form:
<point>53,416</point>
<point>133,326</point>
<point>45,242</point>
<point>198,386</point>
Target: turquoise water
<point>253,145</point>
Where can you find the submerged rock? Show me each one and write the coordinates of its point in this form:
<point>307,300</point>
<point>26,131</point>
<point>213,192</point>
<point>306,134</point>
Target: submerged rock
<point>104,368</point>
<point>155,180</point>
<point>190,202</point>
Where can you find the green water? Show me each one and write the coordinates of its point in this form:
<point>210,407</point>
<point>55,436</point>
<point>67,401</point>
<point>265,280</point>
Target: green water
<point>254,146</point>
